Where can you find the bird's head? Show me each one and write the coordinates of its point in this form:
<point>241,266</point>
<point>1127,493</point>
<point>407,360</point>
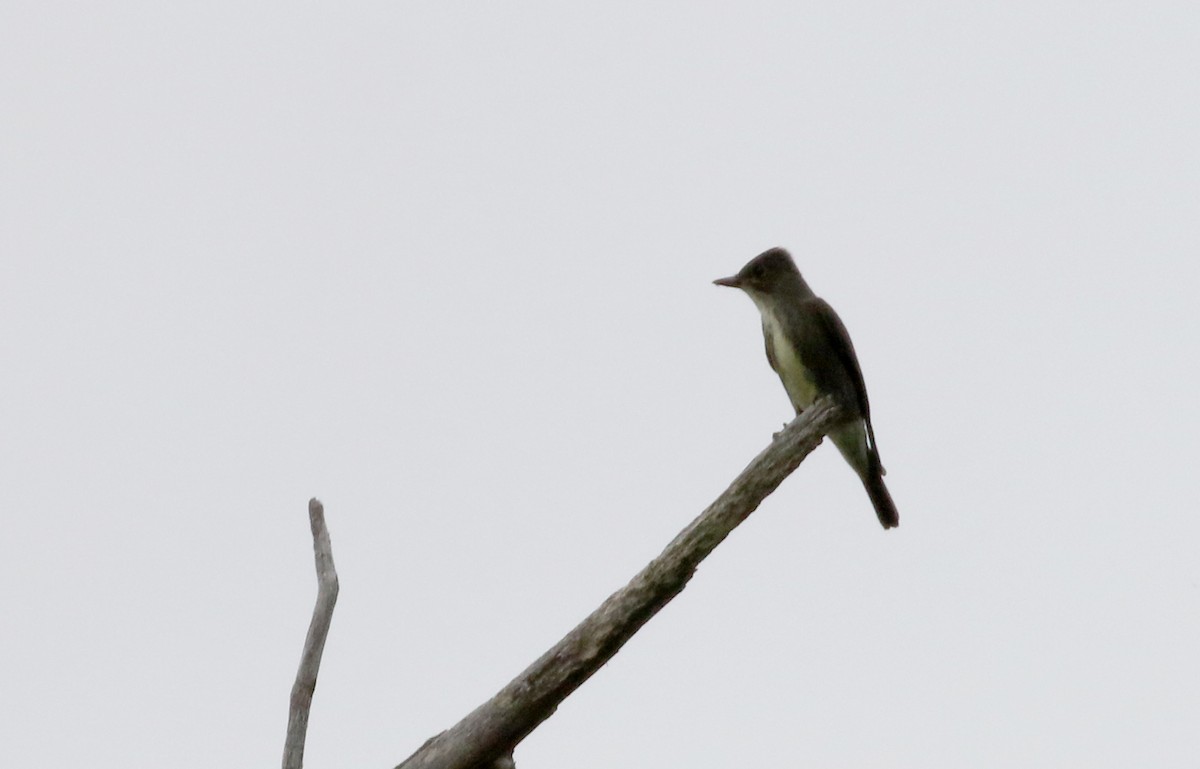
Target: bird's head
<point>764,274</point>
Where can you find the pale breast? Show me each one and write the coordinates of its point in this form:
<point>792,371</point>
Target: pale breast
<point>796,380</point>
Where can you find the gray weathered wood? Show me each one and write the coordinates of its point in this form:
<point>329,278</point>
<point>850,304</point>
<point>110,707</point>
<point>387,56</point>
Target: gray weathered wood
<point>486,737</point>
<point>314,643</point>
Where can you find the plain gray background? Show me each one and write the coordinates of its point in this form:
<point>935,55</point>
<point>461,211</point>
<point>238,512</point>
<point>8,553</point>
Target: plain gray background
<point>447,267</point>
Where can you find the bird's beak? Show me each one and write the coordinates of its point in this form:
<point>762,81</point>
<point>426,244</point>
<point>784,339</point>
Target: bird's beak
<point>732,281</point>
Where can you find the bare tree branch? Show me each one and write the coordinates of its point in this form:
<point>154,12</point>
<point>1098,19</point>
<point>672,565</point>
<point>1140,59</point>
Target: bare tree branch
<point>486,737</point>
<point>314,644</point>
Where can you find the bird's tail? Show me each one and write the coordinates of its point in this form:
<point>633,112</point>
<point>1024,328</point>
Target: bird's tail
<point>885,508</point>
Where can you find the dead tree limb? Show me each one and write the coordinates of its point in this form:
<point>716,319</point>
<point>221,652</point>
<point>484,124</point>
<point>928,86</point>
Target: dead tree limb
<point>486,737</point>
<point>314,644</point>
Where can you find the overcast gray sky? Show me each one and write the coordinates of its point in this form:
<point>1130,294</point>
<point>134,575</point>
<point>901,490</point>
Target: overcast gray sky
<point>447,267</point>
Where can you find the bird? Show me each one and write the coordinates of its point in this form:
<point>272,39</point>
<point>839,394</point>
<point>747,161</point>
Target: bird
<point>809,348</point>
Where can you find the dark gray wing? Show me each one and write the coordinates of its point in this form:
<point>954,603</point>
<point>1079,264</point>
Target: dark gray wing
<point>833,361</point>
<point>827,351</point>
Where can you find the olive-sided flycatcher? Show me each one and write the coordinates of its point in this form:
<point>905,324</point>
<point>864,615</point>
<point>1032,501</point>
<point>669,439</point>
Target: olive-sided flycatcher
<point>809,348</point>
